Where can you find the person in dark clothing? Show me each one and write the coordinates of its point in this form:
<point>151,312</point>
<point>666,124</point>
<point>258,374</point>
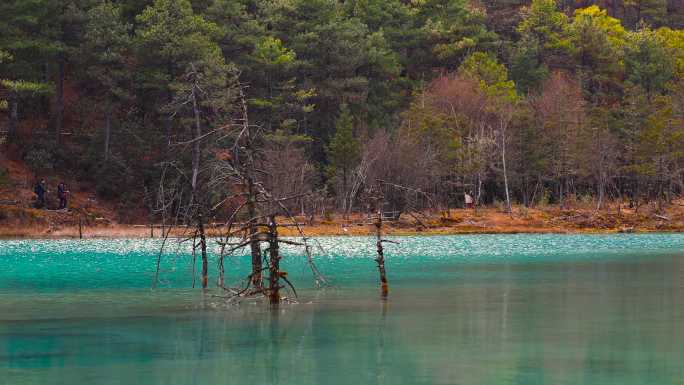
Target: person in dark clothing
<point>40,190</point>
<point>62,193</point>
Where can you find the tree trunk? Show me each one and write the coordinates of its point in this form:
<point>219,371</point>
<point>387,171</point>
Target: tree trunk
<point>257,280</point>
<point>479,190</point>
<point>601,190</point>
<point>203,249</point>
<point>13,119</point>
<point>252,194</point>
<point>384,288</point>
<point>505,173</point>
<point>167,131</point>
<point>344,193</point>
<point>195,173</point>
<point>108,131</point>
<point>59,100</point>
<point>274,263</point>
<point>196,144</point>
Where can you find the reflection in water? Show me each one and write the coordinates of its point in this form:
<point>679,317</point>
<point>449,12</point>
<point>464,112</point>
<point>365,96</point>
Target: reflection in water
<point>536,321</point>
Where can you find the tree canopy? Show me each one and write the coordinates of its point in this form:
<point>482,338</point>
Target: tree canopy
<point>578,98</point>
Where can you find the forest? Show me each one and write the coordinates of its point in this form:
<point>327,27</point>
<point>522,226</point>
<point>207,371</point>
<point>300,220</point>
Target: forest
<point>511,102</point>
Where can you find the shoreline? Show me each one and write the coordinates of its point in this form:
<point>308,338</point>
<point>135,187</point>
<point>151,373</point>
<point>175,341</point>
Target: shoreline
<point>127,232</point>
<point>484,220</point>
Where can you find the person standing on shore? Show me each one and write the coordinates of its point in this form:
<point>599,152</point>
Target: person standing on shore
<point>469,202</point>
<point>62,193</point>
<point>40,190</point>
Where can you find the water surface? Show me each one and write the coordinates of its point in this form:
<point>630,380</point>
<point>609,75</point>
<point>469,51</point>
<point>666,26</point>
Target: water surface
<point>490,309</point>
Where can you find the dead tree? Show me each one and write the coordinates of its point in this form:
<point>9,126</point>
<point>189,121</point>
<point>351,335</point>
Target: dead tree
<point>226,175</point>
<point>375,198</point>
<point>253,220</point>
<point>273,262</point>
<point>203,95</point>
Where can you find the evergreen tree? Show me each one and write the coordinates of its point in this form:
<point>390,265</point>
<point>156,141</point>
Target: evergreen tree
<point>543,45</point>
<point>598,42</point>
<point>648,63</point>
<point>4,56</point>
<point>170,39</point>
<point>104,53</point>
<point>344,154</point>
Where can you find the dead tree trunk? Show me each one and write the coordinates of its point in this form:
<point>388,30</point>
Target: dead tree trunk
<point>252,191</point>
<point>196,144</point>
<point>505,172</point>
<point>203,250</point>
<point>195,173</point>
<point>376,202</point>
<point>273,263</point>
<point>244,167</point>
<point>380,259</point>
<point>255,248</point>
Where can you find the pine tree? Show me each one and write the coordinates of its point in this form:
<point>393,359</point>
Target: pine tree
<point>107,43</point>
<point>543,45</point>
<point>647,61</point>
<point>344,153</point>
<point>649,11</point>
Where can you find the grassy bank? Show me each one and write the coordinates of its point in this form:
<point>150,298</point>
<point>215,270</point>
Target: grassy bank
<point>32,223</point>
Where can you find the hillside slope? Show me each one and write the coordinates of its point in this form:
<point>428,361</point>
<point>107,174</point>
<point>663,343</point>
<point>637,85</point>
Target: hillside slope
<point>17,200</point>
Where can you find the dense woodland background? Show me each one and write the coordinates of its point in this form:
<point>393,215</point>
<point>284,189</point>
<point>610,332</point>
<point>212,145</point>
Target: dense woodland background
<point>513,101</point>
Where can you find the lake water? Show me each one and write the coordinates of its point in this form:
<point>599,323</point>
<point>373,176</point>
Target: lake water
<point>490,309</point>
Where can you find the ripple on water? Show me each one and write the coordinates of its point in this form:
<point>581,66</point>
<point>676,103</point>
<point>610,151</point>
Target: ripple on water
<point>130,263</point>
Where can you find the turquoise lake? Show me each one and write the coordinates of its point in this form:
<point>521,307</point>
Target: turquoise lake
<point>485,309</point>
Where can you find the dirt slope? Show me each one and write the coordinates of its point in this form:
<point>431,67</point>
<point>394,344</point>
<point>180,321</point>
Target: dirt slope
<point>17,199</point>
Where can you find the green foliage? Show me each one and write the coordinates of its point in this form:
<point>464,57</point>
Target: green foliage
<point>598,42</point>
<point>648,62</point>
<point>270,51</point>
<point>492,75</point>
<point>4,56</point>
<point>344,151</point>
<point>586,94</point>
<point>169,37</point>
<point>674,43</point>
<point>39,159</point>
<point>427,126</point>
<point>18,88</point>
<point>277,96</point>
<point>22,88</point>
<point>104,52</point>
<point>660,140</point>
<point>527,67</point>
<point>452,28</point>
<point>544,43</point>
<point>545,24</point>
<point>650,11</point>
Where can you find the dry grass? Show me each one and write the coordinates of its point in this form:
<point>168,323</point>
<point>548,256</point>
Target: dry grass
<point>32,224</point>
